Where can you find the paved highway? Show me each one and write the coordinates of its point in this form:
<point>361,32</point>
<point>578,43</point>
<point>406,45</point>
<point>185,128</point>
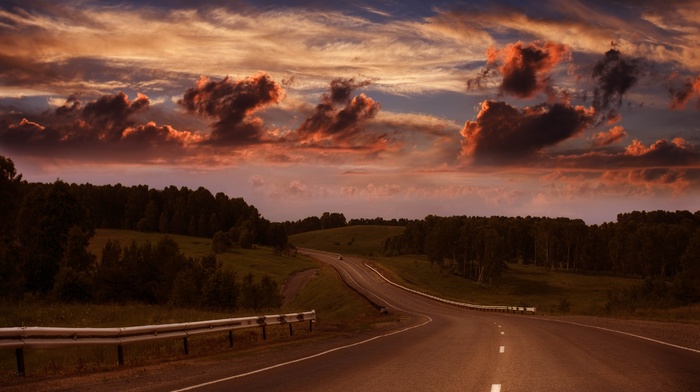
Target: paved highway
<point>446,348</point>
<point>453,349</point>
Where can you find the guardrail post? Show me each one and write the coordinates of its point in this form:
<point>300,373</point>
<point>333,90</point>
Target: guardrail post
<point>230,338</point>
<point>291,331</point>
<point>120,354</point>
<point>311,325</point>
<point>187,346</point>
<point>19,353</point>
<point>264,333</point>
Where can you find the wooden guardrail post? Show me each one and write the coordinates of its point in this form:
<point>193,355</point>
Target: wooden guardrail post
<point>291,331</point>
<point>264,333</point>
<point>230,338</point>
<point>187,346</point>
<point>120,354</point>
<point>19,353</point>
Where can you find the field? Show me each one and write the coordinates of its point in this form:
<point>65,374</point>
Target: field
<point>340,312</point>
<point>357,240</point>
<point>521,285</point>
<point>257,261</point>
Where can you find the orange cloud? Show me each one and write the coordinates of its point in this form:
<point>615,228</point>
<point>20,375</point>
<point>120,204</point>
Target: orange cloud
<point>524,68</point>
<point>614,135</point>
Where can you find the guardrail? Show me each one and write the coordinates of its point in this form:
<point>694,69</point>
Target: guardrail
<point>19,338</point>
<point>487,308</point>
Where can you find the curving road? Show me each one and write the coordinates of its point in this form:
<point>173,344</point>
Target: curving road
<point>446,348</point>
<point>453,349</point>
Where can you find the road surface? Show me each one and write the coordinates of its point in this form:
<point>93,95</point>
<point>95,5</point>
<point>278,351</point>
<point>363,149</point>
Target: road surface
<point>445,348</point>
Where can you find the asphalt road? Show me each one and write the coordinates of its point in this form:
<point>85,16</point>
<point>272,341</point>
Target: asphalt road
<point>454,349</point>
<point>446,348</point>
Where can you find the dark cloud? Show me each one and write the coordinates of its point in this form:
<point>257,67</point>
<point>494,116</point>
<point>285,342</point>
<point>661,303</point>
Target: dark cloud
<point>109,115</point>
<point>504,134</point>
<point>340,125</point>
<point>99,130</point>
<point>680,96</point>
<point>232,102</point>
<point>524,68</point>
<point>614,75</point>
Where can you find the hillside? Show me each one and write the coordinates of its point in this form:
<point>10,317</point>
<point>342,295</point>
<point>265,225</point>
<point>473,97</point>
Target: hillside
<point>355,240</point>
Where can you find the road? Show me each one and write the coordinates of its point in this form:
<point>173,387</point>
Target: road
<point>446,348</point>
<point>452,349</point>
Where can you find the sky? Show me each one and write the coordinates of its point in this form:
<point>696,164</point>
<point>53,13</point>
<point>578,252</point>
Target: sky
<point>392,109</point>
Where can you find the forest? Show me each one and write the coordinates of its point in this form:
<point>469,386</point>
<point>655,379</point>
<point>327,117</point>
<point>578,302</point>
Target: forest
<point>45,230</point>
<point>660,246</point>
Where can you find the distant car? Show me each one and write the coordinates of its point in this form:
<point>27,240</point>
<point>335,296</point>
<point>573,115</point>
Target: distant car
<point>340,257</point>
<point>383,311</point>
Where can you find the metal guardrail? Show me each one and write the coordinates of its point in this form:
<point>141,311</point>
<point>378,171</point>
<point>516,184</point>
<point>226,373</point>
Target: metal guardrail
<point>19,338</point>
<point>486,308</point>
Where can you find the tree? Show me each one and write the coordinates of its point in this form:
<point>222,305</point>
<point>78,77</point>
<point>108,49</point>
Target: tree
<point>221,242</point>
<point>44,221</point>
<point>276,237</point>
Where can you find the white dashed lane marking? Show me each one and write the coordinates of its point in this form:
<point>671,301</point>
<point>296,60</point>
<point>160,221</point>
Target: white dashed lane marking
<point>496,388</point>
<point>502,349</point>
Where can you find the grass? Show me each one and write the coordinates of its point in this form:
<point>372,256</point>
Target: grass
<point>355,240</point>
<point>338,309</point>
<point>526,285</point>
<point>258,261</point>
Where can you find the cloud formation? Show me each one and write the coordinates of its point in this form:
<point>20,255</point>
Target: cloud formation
<point>231,103</point>
<point>614,75</point>
<point>101,129</point>
<point>524,68</point>
<point>681,96</point>
<point>614,135</point>
<point>504,134</point>
<point>339,120</point>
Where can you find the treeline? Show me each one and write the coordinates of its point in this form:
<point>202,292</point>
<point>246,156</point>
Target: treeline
<point>45,230</point>
<point>332,220</point>
<point>658,244</point>
<point>329,220</point>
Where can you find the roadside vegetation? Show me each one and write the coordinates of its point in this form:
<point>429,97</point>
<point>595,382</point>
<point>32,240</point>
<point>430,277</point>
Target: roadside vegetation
<point>554,291</point>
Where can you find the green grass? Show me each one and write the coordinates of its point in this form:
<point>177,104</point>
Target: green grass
<point>520,285</point>
<point>258,261</point>
<point>337,307</point>
<point>368,240</point>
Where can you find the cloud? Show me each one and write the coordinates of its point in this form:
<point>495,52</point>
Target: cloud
<point>681,96</point>
<point>675,154</point>
<point>339,120</point>
<point>109,115</point>
<point>257,181</point>
<point>614,75</point>
<point>99,130</point>
<point>231,103</point>
<point>525,69</point>
<point>504,134</point>
<point>614,135</point>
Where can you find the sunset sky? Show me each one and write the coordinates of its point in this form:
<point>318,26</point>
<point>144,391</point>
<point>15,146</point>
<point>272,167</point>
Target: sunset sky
<point>397,109</point>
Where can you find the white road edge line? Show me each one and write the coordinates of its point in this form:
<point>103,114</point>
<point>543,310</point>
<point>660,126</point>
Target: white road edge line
<point>631,334</point>
<point>300,359</point>
<point>310,356</point>
<point>496,388</point>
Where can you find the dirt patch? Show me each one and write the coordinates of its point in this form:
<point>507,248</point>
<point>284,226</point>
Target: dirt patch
<point>295,282</point>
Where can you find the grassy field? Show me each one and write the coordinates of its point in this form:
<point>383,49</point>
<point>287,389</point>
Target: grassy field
<point>257,261</point>
<point>338,310</point>
<point>520,285</point>
<point>550,292</point>
<point>356,240</point>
